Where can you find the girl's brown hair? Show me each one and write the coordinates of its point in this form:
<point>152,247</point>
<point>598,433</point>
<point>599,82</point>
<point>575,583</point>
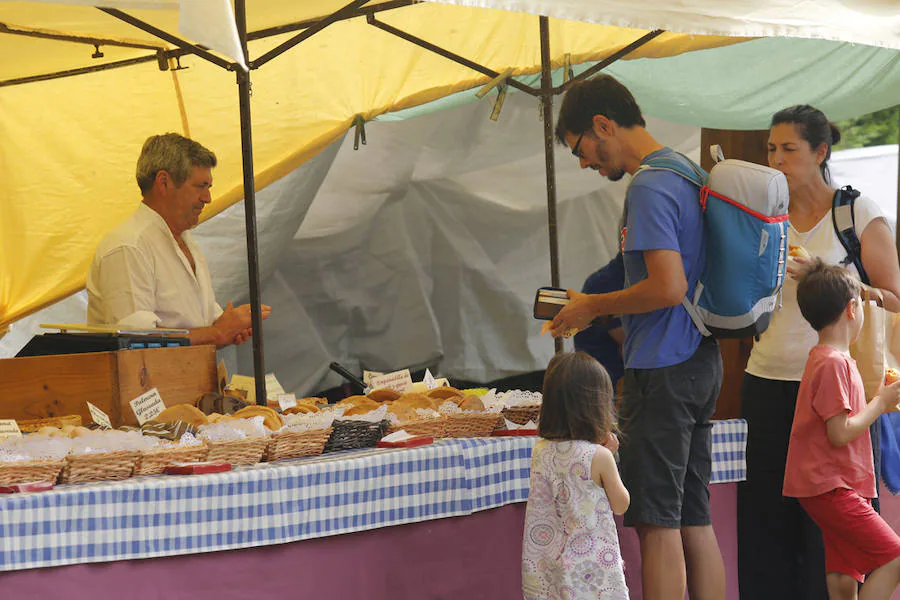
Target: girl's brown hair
<point>577,400</point>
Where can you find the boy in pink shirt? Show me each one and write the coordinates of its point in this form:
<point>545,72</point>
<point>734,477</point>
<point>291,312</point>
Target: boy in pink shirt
<point>829,463</point>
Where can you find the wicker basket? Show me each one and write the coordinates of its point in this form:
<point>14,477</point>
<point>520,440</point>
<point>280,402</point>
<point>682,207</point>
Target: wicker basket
<point>522,414</point>
<point>471,424</point>
<point>348,435</point>
<point>154,461</point>
<point>248,451</point>
<point>294,444</point>
<point>436,427</point>
<point>102,466</point>
<point>32,425</point>
<point>30,470</point>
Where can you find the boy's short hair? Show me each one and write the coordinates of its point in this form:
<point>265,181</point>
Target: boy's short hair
<point>824,292</point>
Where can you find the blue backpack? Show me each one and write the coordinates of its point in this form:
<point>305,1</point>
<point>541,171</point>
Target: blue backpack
<point>745,208</point>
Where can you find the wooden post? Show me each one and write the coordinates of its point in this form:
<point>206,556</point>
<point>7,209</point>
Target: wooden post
<point>749,146</point>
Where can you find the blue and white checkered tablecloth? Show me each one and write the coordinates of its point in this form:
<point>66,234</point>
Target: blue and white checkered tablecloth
<point>280,502</point>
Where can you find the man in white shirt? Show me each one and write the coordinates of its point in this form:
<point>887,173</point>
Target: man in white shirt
<point>148,272</point>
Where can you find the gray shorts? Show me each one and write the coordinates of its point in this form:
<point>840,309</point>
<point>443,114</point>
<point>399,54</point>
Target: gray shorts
<point>666,442</point>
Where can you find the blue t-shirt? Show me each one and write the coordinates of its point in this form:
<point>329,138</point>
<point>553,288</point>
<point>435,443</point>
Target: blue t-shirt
<point>595,340</point>
<point>662,212</point>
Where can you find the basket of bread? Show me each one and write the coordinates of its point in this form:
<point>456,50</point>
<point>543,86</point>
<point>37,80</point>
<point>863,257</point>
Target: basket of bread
<point>240,438</point>
<point>361,424</point>
<point>103,455</point>
<point>521,407</point>
<point>306,430</point>
<point>23,460</point>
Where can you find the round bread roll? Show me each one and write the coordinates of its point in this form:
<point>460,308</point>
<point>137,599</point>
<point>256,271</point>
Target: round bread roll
<point>472,402</point>
<point>301,409</point>
<point>798,251</point>
<point>384,395</point>
<point>79,431</point>
<point>312,401</point>
<point>352,400</point>
<point>443,393</point>
<point>182,412</point>
<point>361,409</point>
<point>417,400</point>
<point>403,412</point>
<point>271,419</point>
<point>361,402</point>
<point>49,431</point>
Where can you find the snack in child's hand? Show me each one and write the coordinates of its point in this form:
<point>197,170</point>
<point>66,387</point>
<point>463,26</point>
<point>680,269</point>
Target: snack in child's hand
<point>798,251</point>
<point>891,376</point>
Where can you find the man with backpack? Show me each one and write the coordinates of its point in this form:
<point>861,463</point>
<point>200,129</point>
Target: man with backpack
<point>672,373</point>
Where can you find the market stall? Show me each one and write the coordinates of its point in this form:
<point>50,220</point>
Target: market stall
<point>260,512</point>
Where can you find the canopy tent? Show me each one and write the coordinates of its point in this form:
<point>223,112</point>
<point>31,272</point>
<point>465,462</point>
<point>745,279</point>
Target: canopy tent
<point>56,203</point>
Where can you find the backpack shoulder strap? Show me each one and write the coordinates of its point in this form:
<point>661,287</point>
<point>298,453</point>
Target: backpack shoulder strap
<point>843,218</point>
<point>685,168</point>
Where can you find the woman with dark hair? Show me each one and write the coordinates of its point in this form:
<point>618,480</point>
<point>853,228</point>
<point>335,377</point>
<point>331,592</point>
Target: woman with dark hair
<point>780,551</point>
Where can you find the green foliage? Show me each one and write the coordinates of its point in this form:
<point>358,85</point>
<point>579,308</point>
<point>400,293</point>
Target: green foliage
<point>874,129</point>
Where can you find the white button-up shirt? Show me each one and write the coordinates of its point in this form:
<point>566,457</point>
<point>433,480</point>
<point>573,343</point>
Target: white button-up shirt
<point>140,278</point>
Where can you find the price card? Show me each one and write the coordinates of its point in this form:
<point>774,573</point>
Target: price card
<point>99,417</point>
<point>273,387</point>
<point>400,381</point>
<point>368,375</point>
<point>147,406</point>
<point>9,428</point>
<point>286,401</point>
<point>429,381</point>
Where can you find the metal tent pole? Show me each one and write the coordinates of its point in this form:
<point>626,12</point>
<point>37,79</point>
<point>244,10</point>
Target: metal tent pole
<point>549,156</point>
<point>243,81</point>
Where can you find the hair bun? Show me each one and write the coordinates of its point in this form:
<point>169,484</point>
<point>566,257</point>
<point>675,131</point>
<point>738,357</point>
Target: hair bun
<point>835,133</point>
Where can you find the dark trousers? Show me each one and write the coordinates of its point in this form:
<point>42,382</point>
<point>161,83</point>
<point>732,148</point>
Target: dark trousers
<point>780,550</point>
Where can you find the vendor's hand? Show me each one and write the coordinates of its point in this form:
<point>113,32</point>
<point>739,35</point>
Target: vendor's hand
<point>611,443</point>
<point>574,316</point>
<point>798,266</point>
<point>235,322</point>
<point>242,336</point>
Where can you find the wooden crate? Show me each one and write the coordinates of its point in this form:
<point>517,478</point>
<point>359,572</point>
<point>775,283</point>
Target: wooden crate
<point>47,386</point>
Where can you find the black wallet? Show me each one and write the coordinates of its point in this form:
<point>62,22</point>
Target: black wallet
<point>548,301</point>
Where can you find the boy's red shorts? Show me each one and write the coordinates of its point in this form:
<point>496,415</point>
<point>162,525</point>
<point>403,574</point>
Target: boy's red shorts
<point>857,540</point>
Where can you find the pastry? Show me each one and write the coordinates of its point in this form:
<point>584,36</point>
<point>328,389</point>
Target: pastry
<point>384,395</point>
<point>182,412</point>
<point>358,401</point>
<point>891,376</point>
<point>301,409</point>
<point>271,419</point>
<point>472,402</point>
<point>416,400</point>
<point>798,251</point>
<point>403,412</point>
<point>443,393</point>
<point>79,431</point>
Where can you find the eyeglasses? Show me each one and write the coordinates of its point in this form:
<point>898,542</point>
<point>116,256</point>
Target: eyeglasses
<point>576,151</point>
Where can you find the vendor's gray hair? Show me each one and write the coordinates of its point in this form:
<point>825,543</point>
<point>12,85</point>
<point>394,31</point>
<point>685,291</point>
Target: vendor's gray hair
<point>174,154</point>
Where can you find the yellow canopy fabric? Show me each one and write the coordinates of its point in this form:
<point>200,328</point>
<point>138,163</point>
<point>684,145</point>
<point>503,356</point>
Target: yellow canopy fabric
<point>69,146</point>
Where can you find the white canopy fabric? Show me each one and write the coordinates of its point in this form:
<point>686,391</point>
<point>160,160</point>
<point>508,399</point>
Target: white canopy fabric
<point>870,22</point>
<point>425,247</point>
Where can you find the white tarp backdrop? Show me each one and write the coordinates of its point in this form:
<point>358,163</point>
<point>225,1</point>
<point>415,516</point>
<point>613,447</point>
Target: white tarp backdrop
<point>424,247</point>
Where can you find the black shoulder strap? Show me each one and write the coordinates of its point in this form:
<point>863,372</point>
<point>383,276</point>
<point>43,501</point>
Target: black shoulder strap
<point>844,220</point>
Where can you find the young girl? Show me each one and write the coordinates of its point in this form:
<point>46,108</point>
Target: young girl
<point>571,549</point>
